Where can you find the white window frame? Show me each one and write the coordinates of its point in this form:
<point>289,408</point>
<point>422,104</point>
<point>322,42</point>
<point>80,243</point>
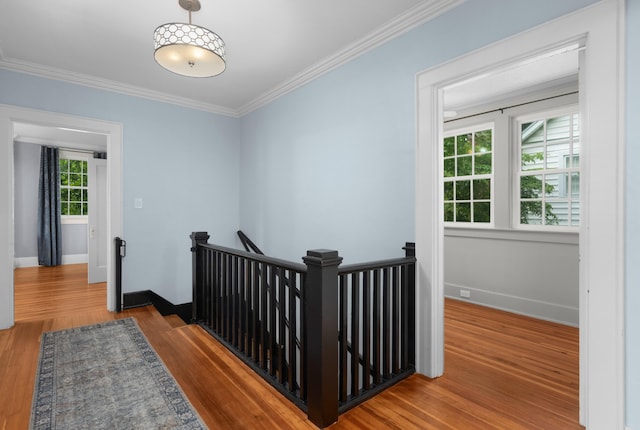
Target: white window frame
<point>517,121</point>
<point>73,155</point>
<point>472,129</point>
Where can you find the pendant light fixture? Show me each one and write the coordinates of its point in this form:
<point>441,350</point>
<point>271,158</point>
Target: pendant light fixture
<point>188,49</point>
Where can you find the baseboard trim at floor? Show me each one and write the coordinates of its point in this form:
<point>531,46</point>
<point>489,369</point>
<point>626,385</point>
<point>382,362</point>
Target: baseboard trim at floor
<point>144,298</point>
<point>66,259</point>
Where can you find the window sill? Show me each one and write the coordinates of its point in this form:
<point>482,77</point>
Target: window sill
<point>568,238</point>
<point>74,219</point>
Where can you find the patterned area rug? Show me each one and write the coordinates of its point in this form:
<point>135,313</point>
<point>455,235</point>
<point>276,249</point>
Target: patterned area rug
<point>106,376</point>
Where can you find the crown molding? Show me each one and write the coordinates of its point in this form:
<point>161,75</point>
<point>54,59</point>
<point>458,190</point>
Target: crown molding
<point>104,84</point>
<point>401,24</point>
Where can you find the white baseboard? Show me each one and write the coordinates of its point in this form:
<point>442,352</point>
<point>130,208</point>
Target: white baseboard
<point>66,259</point>
<point>520,305</point>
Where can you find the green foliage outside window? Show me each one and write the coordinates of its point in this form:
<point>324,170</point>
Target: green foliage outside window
<point>467,169</point>
<point>74,182</point>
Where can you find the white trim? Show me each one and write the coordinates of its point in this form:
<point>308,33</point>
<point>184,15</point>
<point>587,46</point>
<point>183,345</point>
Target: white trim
<point>602,231</point>
<point>75,259</point>
<point>565,238</point>
<point>74,219</point>
<point>66,259</point>
<point>104,84</point>
<point>412,18</point>
<point>561,314</point>
<point>25,262</point>
<point>113,132</point>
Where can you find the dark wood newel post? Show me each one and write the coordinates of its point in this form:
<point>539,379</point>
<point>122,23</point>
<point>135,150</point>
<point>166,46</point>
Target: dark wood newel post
<point>321,309</point>
<point>410,251</point>
<point>197,237</point>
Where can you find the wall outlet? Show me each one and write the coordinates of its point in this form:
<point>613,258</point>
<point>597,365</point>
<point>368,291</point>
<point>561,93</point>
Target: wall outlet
<point>465,293</point>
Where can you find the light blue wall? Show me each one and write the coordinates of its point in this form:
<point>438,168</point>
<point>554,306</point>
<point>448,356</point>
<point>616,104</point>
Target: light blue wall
<point>183,163</point>
<point>331,165</point>
<point>632,213</point>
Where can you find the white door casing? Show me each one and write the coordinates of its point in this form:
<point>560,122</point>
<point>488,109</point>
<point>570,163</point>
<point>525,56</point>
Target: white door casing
<point>97,228</point>
<point>599,28</point>
<point>113,131</point>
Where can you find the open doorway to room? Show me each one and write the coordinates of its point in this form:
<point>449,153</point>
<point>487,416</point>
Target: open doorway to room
<point>12,118</point>
<point>510,162</point>
<point>82,179</point>
<point>601,251</point>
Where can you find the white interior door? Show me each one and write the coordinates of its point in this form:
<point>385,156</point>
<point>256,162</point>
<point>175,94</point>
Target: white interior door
<point>97,228</point>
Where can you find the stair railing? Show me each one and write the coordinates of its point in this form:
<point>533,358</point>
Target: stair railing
<point>300,325</point>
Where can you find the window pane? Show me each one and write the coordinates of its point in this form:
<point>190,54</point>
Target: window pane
<point>75,208</point>
<point>75,195</point>
<point>75,166</point>
<point>556,213</point>
<point>463,212</point>
<point>531,186</point>
<point>532,157</point>
<point>75,179</point>
<point>449,167</point>
<point>482,212</point>
<point>575,212</point>
<point>84,195</point>
<point>482,189</point>
<point>64,179</point>
<point>64,208</point>
<point>532,131</point>
<point>85,209</point>
<point>463,190</point>
<point>575,185</point>
<point>483,141</point>
<point>449,146</point>
<point>556,153</point>
<point>448,190</point>
<point>556,185</point>
<point>464,144</point>
<point>64,165</point>
<point>85,180</point>
<point>531,212</point>
<point>84,167</point>
<point>64,194</point>
<point>448,212</point>
<point>483,164</point>
<point>558,128</point>
<point>464,166</point>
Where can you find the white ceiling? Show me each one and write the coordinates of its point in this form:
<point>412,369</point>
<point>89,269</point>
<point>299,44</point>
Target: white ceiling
<point>531,75</point>
<point>272,46</point>
<point>61,137</point>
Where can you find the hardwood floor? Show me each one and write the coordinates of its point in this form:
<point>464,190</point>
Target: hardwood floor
<point>503,371</point>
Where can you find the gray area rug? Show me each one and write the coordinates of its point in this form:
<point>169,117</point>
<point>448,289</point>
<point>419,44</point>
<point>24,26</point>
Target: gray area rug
<point>106,376</point>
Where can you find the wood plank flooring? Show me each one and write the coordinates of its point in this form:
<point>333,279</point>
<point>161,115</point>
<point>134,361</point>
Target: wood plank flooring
<point>503,371</point>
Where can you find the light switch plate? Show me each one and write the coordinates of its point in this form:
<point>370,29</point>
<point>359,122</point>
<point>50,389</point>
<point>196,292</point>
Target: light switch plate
<point>138,203</point>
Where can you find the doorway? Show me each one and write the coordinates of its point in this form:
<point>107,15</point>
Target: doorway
<point>11,115</point>
<point>601,233</point>
<point>83,167</point>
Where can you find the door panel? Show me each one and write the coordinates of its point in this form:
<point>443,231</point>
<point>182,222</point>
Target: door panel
<point>97,230</point>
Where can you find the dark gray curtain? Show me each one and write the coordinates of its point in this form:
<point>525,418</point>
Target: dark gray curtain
<point>49,226</point>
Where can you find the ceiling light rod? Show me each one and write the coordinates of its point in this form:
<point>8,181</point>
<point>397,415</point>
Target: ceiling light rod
<point>187,49</point>
<point>190,6</point>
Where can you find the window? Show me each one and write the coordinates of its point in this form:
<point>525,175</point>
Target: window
<point>468,176</point>
<point>549,170</point>
<point>74,181</point>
